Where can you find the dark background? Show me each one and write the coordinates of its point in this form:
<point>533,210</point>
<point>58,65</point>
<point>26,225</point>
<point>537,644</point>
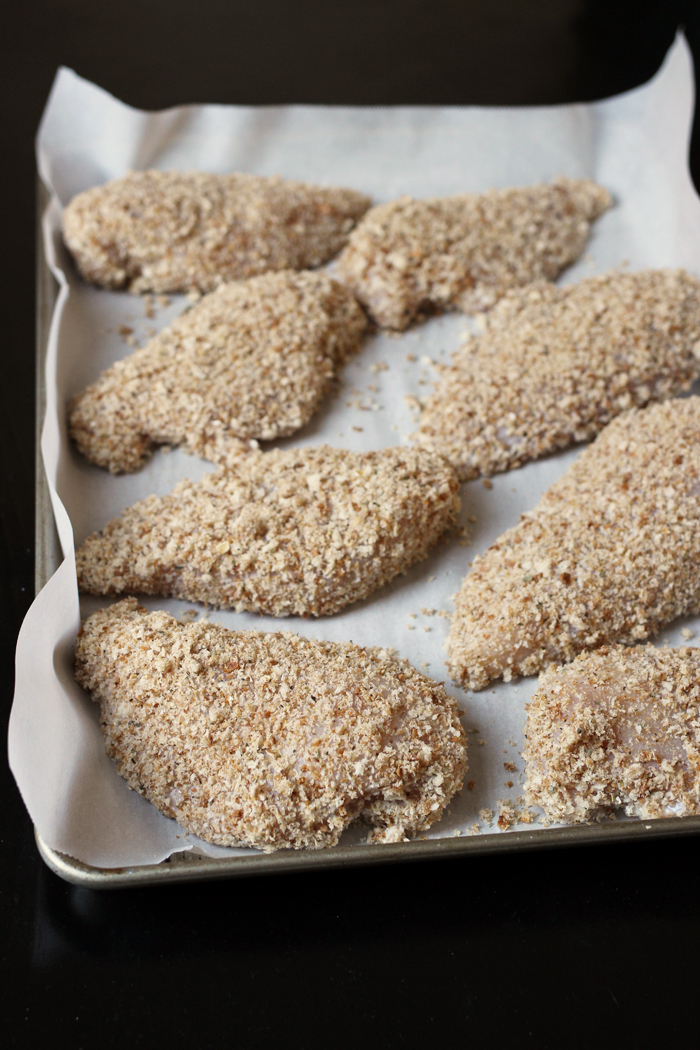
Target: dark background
<point>590,947</point>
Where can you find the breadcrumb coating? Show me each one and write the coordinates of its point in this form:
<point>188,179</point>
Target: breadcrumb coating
<point>464,252</point>
<point>616,728</point>
<point>298,532</point>
<point>554,365</point>
<point>251,360</point>
<point>610,554</point>
<point>269,740</point>
<point>171,231</point>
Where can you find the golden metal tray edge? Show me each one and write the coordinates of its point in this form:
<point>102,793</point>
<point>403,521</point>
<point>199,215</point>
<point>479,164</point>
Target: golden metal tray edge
<point>184,867</point>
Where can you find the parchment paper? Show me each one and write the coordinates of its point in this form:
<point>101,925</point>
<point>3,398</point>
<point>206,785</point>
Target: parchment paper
<point>635,144</point>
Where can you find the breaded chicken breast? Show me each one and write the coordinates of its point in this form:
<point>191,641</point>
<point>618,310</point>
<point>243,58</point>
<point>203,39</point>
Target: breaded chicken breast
<point>269,740</point>
<point>250,360</point>
<point>554,365</point>
<point>172,231</point>
<point>616,728</point>
<point>610,554</point>
<point>464,252</point>
<point>298,532</point>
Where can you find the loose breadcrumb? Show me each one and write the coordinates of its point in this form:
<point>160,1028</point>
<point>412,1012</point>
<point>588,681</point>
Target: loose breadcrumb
<point>619,727</point>
<point>464,252</point>
<point>611,553</point>
<point>508,814</point>
<point>269,740</point>
<point>169,231</point>
<point>251,360</point>
<point>296,532</point>
<point>554,365</point>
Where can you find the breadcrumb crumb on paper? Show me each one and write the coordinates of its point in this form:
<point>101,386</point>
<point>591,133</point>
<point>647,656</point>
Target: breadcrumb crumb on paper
<point>170,231</point>
<point>297,532</point>
<point>554,365</point>
<point>269,740</point>
<point>508,814</point>
<point>617,728</point>
<point>250,361</point>
<point>610,553</point>
<point>464,252</point>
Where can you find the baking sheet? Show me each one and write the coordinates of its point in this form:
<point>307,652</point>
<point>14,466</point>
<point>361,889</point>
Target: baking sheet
<point>635,144</point>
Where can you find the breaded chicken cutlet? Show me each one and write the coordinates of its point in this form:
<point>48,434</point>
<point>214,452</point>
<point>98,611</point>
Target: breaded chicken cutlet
<point>171,231</point>
<point>298,532</point>
<point>554,365</point>
<point>464,252</point>
<point>619,727</point>
<point>251,360</point>
<point>610,554</point>
<point>269,740</point>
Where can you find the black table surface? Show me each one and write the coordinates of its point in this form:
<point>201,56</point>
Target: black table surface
<point>560,948</point>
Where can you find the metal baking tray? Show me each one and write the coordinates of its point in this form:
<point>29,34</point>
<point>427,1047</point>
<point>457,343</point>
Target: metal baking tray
<point>186,867</point>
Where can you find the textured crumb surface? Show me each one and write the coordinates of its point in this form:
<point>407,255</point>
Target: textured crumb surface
<point>610,554</point>
<point>296,532</point>
<point>463,252</point>
<point>170,231</point>
<point>554,365</point>
<point>619,727</point>
<point>251,360</point>
<point>269,740</point>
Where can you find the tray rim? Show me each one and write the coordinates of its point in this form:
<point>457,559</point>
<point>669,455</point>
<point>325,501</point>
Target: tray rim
<point>183,867</point>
